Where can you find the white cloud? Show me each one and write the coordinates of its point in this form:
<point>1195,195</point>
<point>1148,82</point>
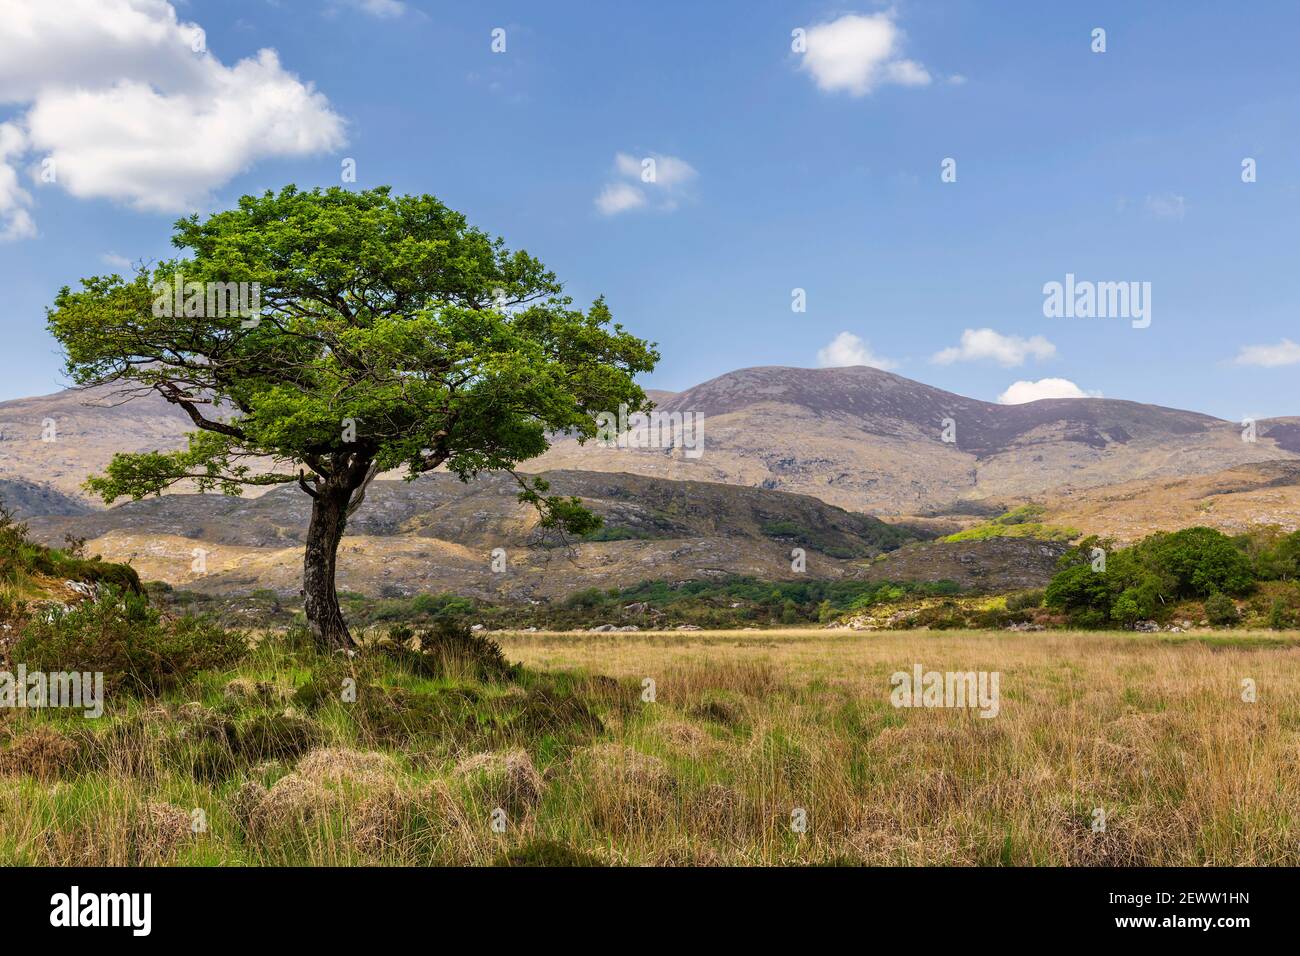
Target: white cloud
<point>1285,352</point>
<point>116,261</point>
<point>128,104</point>
<point>666,172</point>
<point>1021,392</point>
<point>857,53</point>
<point>658,175</point>
<point>15,221</point>
<point>93,43</point>
<point>1167,206</point>
<point>848,349</point>
<point>1006,350</point>
<point>383,9</point>
<point>619,197</point>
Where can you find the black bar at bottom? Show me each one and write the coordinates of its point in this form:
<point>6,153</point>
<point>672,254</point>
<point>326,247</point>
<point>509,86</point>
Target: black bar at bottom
<point>338,905</point>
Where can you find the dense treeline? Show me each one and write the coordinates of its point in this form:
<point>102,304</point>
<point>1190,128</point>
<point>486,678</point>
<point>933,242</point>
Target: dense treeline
<point>1101,586</point>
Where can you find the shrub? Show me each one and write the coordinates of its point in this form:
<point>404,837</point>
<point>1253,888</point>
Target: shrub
<point>1025,600</point>
<point>442,605</point>
<point>450,647</point>
<point>276,737</point>
<point>19,555</point>
<point>12,608</point>
<point>1221,609</point>
<point>120,635</point>
<point>43,752</point>
<point>1277,615</point>
<point>586,598</point>
<point>1276,556</point>
<point>1144,580</point>
<point>1080,589</point>
<point>1201,561</point>
<point>1022,522</point>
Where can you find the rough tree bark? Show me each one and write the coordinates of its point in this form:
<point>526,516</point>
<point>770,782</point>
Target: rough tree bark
<point>329,516</point>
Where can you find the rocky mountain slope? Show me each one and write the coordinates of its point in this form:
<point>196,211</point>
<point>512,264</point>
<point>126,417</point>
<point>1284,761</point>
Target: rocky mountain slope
<point>1232,500</point>
<point>56,441</point>
<point>26,498</point>
<point>784,451</point>
<point>872,441</point>
<point>860,438</point>
<point>438,534</point>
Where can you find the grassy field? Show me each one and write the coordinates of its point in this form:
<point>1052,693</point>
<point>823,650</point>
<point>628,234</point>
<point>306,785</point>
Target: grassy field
<point>758,748</point>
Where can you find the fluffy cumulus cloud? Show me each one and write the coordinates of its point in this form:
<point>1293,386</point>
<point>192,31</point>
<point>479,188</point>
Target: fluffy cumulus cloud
<point>650,181</point>
<point>986,344</point>
<point>857,53</point>
<point>619,197</point>
<point>15,221</point>
<point>120,100</point>
<point>848,349</point>
<point>1285,352</point>
<point>1021,392</point>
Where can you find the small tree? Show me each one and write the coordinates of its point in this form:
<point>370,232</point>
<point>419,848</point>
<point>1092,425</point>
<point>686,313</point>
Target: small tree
<point>1277,616</point>
<point>387,334</point>
<point>1221,609</point>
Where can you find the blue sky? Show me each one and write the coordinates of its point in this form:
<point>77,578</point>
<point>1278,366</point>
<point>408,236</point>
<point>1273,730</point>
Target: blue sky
<point>776,170</point>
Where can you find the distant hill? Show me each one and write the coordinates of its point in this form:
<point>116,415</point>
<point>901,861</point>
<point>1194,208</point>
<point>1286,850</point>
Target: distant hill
<point>860,438</point>
<point>872,441</point>
<point>59,440</point>
<point>438,534</point>
<point>27,498</point>
<point>1232,500</point>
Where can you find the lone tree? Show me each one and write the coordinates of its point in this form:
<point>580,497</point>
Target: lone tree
<point>384,332</point>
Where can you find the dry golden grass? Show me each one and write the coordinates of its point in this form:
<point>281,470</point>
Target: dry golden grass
<point>1152,730</point>
<point>748,732</point>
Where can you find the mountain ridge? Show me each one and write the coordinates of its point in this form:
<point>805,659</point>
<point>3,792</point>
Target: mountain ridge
<point>857,437</point>
<point>873,441</point>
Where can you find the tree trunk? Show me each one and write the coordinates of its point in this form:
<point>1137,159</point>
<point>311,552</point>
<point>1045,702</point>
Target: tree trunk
<point>329,515</point>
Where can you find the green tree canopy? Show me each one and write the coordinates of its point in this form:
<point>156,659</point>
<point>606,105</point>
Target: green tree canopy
<point>1139,581</point>
<point>385,333</point>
